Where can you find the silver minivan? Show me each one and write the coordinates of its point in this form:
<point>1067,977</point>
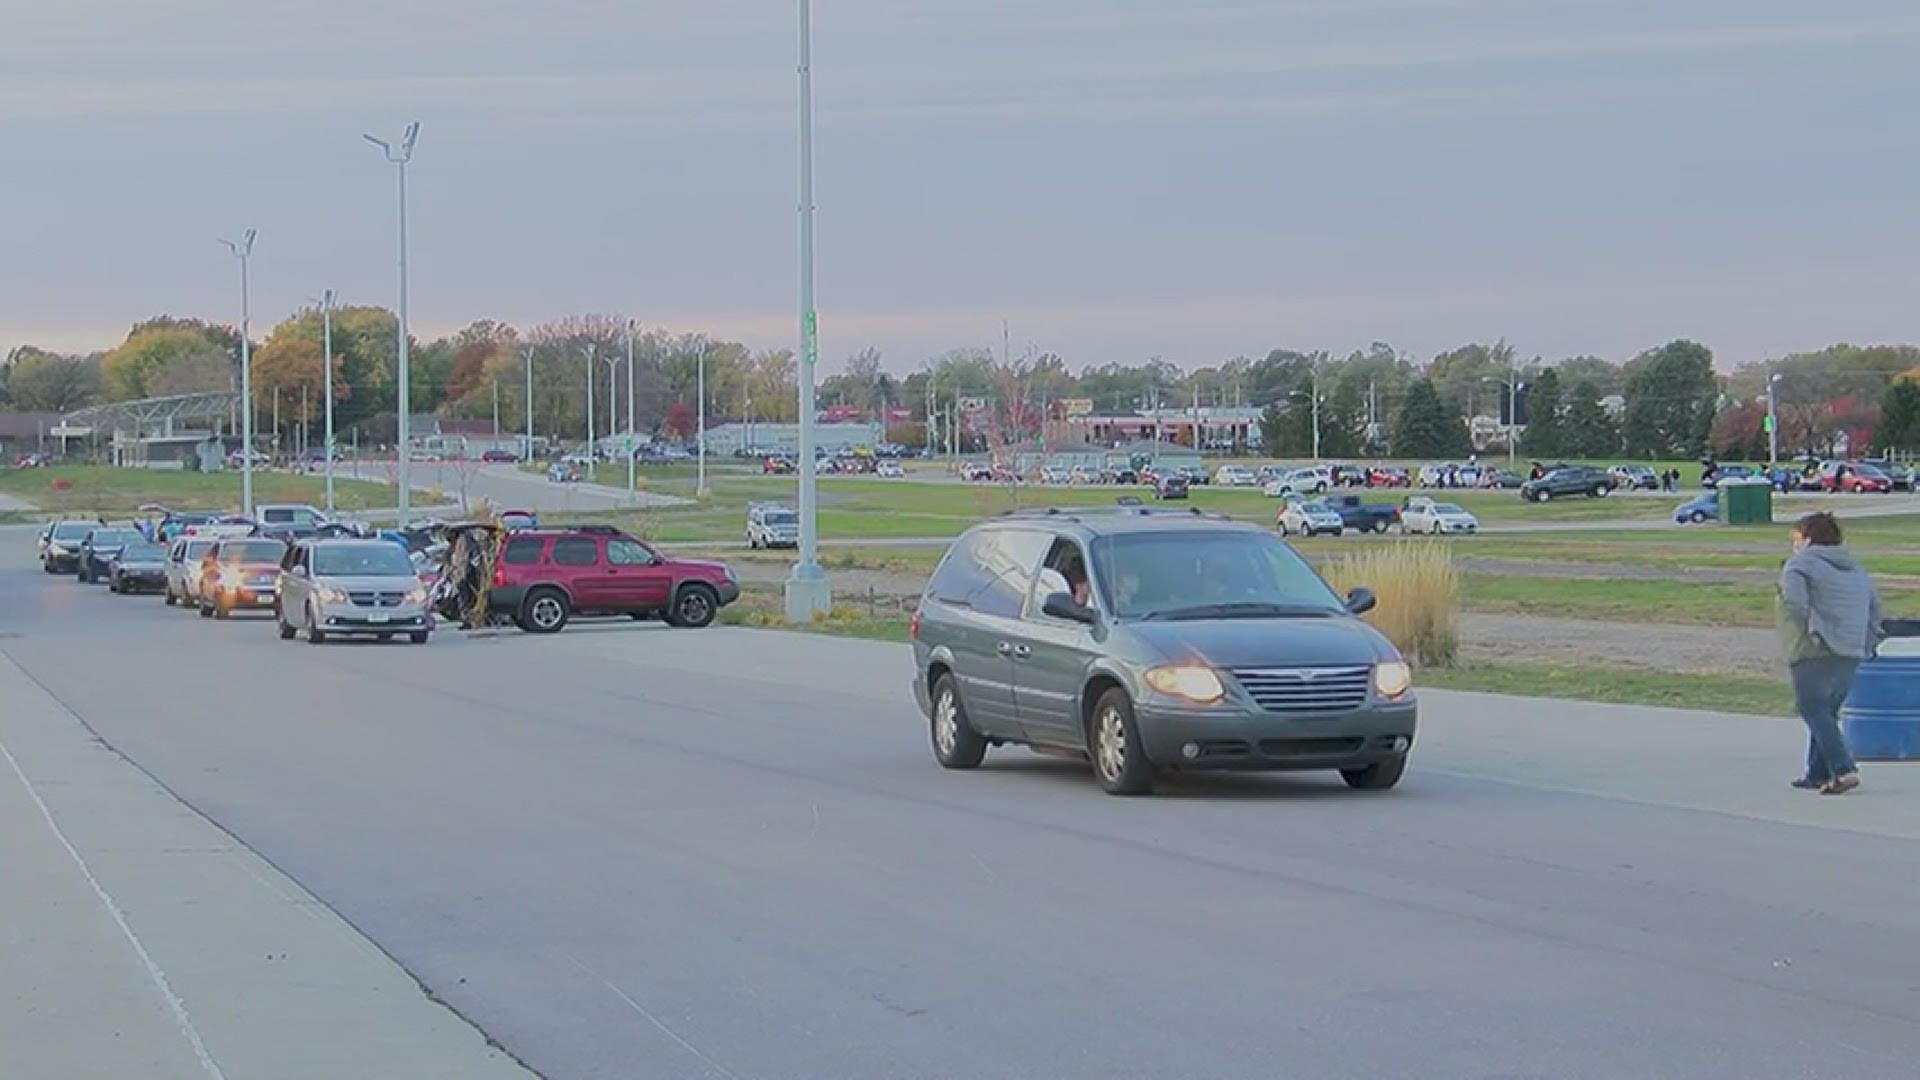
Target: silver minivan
<point>1148,640</point>
<point>351,587</point>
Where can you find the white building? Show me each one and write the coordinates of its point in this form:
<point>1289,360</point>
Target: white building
<point>728,439</point>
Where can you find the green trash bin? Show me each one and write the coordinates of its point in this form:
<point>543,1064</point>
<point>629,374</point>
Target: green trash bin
<point>1746,502</point>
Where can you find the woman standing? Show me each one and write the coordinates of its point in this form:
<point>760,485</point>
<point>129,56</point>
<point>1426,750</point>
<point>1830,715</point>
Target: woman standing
<point>1830,619</point>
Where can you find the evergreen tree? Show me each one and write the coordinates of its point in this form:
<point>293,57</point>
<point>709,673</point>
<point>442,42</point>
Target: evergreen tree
<point>1899,417</point>
<point>1587,431</point>
<point>1672,396</point>
<point>1343,419</point>
<point>1545,436</point>
<point>1428,427</point>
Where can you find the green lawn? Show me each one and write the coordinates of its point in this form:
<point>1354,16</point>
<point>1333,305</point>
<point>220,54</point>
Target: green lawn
<point>104,489</point>
<point>1750,694</point>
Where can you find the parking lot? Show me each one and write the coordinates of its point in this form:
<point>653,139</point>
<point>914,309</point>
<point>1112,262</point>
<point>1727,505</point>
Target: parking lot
<point>632,851</point>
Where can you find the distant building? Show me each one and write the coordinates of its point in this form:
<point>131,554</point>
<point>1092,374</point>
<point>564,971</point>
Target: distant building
<point>1032,457</point>
<point>1207,427</point>
<point>1165,455</point>
<point>757,438</point>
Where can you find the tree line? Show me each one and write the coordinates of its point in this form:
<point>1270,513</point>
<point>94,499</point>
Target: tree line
<point>1665,402</point>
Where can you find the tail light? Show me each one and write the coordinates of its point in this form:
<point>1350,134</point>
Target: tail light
<point>913,626</point>
<point>499,574</point>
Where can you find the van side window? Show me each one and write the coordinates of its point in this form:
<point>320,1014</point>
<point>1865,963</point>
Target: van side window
<point>991,570</point>
<point>524,551</point>
<point>576,551</point>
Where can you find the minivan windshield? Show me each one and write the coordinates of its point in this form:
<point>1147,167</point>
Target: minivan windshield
<point>1211,574</point>
<point>72,530</point>
<point>115,537</point>
<point>252,551</point>
<point>361,560</point>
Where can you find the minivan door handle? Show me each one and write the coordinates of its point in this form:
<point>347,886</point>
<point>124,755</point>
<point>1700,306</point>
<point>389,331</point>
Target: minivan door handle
<point>1006,648</point>
<point>1021,652</point>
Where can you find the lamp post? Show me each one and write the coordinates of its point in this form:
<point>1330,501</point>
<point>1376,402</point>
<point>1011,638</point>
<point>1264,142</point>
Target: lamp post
<point>243,250</point>
<point>1773,421</point>
<point>529,441</point>
<point>700,485</point>
<point>808,593</point>
<point>593,458</point>
<point>399,156</point>
<point>326,350</point>
<point>633,481</point>
<point>613,401</point>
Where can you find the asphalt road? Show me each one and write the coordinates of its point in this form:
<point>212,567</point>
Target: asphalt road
<point>633,852</point>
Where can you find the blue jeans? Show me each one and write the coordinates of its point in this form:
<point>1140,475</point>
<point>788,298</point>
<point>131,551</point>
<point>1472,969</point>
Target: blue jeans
<point>1819,689</point>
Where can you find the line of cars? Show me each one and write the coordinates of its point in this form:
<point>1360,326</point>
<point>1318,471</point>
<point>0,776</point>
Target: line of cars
<point>328,579</point>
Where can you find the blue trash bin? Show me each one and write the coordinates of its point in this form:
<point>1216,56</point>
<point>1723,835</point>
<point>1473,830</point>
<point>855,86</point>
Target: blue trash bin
<point>1881,718</point>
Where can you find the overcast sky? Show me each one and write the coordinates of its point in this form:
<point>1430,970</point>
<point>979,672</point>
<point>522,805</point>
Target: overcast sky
<point>1118,179</point>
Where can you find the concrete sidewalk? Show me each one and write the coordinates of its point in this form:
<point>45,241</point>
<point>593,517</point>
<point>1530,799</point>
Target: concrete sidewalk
<point>139,940</point>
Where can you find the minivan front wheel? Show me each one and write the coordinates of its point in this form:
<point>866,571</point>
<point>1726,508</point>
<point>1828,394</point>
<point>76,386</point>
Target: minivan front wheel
<point>955,744</point>
<point>1113,742</point>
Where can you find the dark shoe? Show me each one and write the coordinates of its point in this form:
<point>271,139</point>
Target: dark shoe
<point>1808,783</point>
<point>1841,784</point>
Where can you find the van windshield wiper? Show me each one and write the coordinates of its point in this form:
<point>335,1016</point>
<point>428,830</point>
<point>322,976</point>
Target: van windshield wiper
<point>1248,610</point>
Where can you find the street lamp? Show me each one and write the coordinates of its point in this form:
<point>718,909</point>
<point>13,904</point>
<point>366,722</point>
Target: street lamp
<point>633,483</point>
<point>326,365</point>
<point>1513,387</point>
<point>1773,421</point>
<point>529,442</point>
<point>808,593</point>
<point>613,401</point>
<point>243,250</point>
<point>400,156</point>
<point>593,458</point>
<point>700,485</point>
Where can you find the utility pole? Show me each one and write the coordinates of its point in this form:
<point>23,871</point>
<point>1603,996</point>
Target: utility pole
<point>1773,421</point>
<point>593,458</point>
<point>496,410</point>
<point>808,592</point>
<point>633,482</point>
<point>326,349</point>
<point>700,484</point>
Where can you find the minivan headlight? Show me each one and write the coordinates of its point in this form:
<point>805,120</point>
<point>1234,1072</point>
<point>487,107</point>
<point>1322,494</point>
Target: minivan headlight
<point>1392,679</point>
<point>1189,681</point>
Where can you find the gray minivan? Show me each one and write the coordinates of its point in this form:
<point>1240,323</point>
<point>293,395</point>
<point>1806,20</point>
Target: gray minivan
<point>1148,640</point>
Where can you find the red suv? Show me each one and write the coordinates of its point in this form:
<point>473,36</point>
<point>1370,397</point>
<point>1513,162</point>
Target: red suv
<point>546,576</point>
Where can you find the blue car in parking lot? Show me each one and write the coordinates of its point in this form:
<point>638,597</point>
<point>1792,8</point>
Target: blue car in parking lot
<point>1699,510</point>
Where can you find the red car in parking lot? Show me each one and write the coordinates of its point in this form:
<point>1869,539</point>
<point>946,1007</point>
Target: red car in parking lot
<point>1851,476</point>
<point>546,576</point>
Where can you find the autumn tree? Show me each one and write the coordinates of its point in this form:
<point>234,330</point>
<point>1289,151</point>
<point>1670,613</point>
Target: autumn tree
<point>135,368</point>
<point>43,381</point>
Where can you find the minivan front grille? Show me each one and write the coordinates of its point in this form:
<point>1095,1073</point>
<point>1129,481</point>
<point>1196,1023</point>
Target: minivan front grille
<point>377,599</point>
<point>1306,690</point>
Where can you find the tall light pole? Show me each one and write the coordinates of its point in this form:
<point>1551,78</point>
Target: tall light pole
<point>243,250</point>
<point>400,156</point>
<point>529,445</point>
<point>1773,421</point>
<point>613,401</point>
<point>326,350</point>
<point>1313,383</point>
<point>700,485</point>
<point>808,593</point>
<point>633,481</point>
<point>593,458</point>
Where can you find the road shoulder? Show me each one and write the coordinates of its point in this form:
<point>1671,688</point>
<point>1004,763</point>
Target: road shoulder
<point>141,940</point>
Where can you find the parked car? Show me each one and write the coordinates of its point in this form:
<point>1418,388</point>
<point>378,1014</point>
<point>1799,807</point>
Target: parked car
<point>778,465</point>
<point>1422,515</point>
<point>1383,476</point>
<point>1196,476</point>
<point>186,562</point>
<point>1308,517</point>
<point>1235,476</point>
<point>1502,479</point>
<point>99,548</point>
<point>174,524</point>
<point>1085,474</point>
<point>1150,640</point>
<point>138,567</point>
<point>238,458</point>
<point>298,515</point>
<point>239,572</point>
<point>1171,486</point>
<point>1053,475</point>
<point>1364,516</point>
<point>60,545</point>
<point>32,461</point>
<point>1122,474</point>
<point>1698,510</point>
<point>1310,481</point>
<point>563,472</point>
<point>772,525</point>
<point>547,576</point>
<point>1635,477</point>
<point>1567,480</point>
<point>1900,476</point>
<point>1712,475</point>
<point>1854,477</point>
<point>499,457</point>
<point>976,472</point>
<point>337,588</point>
<point>890,469</point>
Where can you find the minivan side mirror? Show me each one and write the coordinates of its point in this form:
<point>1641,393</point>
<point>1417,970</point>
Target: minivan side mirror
<point>1361,600</point>
<point>1063,606</point>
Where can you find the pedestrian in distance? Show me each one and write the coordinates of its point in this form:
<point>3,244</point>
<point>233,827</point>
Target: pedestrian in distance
<point>1830,622</point>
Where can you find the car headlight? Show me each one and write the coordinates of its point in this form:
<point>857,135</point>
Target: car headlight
<point>418,595</point>
<point>329,595</point>
<point>1392,679</point>
<point>1190,681</point>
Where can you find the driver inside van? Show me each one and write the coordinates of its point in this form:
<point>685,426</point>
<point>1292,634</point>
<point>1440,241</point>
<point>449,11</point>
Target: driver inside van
<point>1066,559</point>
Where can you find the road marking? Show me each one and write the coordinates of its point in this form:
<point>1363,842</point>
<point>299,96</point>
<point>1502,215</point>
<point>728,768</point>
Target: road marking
<point>154,973</point>
<point>655,1021</point>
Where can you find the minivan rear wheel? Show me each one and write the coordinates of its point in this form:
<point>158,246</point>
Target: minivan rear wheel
<point>1113,742</point>
<point>955,744</point>
<point>1379,776</point>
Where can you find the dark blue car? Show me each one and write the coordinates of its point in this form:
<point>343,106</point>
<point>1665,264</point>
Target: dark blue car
<point>1699,510</point>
